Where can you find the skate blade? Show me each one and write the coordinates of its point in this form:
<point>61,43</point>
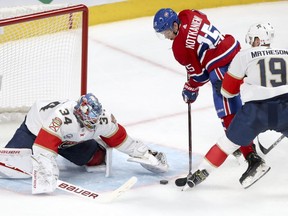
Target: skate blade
<point>250,180</point>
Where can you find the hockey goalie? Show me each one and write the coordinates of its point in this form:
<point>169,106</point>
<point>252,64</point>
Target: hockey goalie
<point>80,131</point>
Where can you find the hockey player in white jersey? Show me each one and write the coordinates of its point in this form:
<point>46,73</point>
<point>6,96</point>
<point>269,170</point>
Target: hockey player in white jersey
<point>74,129</point>
<point>264,73</point>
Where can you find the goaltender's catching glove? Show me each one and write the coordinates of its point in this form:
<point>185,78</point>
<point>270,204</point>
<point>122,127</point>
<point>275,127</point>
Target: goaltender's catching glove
<point>189,93</point>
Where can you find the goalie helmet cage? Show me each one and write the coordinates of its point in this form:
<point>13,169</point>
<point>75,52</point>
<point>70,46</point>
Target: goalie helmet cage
<point>43,55</point>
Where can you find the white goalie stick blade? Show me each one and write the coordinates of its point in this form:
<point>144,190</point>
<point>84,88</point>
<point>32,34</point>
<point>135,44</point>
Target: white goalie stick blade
<point>88,194</point>
<point>118,192</point>
<point>83,192</point>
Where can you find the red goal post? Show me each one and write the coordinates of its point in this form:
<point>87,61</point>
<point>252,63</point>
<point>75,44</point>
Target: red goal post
<point>43,55</point>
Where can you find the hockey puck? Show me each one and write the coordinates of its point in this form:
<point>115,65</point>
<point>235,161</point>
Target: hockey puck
<point>164,182</point>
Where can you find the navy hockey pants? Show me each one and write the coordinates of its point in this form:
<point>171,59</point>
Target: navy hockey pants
<point>256,117</point>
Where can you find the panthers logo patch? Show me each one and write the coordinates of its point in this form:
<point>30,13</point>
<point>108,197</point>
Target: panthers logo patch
<point>55,124</point>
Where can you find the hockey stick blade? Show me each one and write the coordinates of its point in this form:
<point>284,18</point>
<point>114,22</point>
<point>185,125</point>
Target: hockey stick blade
<point>266,151</point>
<point>83,192</point>
<point>122,189</point>
<point>88,194</point>
<point>180,182</point>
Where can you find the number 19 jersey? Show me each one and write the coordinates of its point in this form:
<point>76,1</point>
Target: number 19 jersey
<point>263,70</point>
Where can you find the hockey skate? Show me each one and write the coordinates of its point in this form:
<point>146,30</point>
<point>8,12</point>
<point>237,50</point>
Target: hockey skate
<point>256,169</point>
<point>196,178</point>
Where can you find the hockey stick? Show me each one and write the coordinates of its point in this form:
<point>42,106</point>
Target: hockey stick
<point>266,151</point>
<point>83,192</point>
<point>180,182</point>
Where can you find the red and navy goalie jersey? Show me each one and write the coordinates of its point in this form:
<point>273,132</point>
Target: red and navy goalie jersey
<point>200,46</point>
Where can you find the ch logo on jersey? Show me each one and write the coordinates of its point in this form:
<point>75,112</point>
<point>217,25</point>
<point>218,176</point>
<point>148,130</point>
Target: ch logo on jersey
<point>55,124</point>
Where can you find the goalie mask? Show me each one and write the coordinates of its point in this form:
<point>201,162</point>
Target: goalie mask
<point>263,31</point>
<point>87,110</point>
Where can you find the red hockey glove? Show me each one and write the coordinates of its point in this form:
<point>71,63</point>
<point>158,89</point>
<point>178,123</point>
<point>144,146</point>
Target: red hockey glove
<point>189,93</point>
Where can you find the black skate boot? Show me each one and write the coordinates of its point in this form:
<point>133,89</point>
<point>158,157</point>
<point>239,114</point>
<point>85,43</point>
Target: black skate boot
<point>256,169</point>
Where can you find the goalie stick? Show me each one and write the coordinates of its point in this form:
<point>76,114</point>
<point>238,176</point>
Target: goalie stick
<point>84,192</point>
<point>266,151</point>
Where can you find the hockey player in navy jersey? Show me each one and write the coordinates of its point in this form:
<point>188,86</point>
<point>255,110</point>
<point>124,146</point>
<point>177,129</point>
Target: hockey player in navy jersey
<point>263,71</point>
<point>206,54</point>
<point>75,130</point>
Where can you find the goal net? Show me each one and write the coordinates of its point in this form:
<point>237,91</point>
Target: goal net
<point>43,55</point>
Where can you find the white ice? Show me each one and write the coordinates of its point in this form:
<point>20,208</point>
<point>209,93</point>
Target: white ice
<point>136,77</point>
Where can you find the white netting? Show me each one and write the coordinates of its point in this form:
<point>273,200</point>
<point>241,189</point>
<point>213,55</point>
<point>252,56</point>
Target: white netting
<point>39,59</point>
<point>9,12</point>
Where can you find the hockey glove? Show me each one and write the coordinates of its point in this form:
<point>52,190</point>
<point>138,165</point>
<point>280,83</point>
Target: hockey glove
<point>189,93</point>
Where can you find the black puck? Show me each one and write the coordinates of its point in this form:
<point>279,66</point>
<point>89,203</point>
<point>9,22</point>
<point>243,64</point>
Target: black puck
<point>164,182</point>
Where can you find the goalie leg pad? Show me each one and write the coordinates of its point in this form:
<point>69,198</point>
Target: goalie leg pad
<point>15,157</point>
<point>45,171</point>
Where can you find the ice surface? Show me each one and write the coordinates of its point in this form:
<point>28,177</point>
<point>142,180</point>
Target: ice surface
<point>136,77</point>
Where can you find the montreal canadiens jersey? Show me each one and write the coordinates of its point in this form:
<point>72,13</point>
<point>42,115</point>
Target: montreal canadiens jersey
<point>55,125</point>
<point>264,72</point>
<point>200,47</point>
